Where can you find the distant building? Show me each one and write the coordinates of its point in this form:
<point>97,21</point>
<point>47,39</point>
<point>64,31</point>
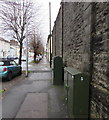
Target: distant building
<point>14,48</point>
<point>31,53</point>
<point>4,48</point>
<point>49,48</point>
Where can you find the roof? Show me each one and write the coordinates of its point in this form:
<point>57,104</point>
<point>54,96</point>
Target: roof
<point>5,59</point>
<point>14,42</point>
<point>2,39</point>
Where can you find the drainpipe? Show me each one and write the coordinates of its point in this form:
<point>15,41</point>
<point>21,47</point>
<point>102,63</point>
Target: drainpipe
<point>50,32</point>
<point>55,38</point>
<point>62,6</point>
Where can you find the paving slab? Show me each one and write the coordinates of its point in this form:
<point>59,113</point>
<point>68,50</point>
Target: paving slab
<point>41,76</point>
<point>35,105</point>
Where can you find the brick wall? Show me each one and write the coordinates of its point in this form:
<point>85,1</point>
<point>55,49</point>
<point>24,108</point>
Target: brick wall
<point>84,30</point>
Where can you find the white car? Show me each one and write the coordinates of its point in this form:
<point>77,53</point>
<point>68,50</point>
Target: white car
<point>37,58</point>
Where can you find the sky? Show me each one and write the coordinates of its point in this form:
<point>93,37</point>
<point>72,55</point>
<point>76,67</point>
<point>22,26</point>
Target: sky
<point>44,16</point>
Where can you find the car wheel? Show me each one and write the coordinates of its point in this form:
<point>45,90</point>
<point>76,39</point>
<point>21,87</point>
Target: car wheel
<point>9,77</point>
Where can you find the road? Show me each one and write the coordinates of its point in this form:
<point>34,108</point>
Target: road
<point>8,84</point>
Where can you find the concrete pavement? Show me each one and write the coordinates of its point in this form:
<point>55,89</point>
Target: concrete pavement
<point>43,65</point>
<point>35,97</point>
<point>35,105</point>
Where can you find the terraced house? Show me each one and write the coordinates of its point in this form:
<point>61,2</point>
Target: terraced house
<point>4,48</point>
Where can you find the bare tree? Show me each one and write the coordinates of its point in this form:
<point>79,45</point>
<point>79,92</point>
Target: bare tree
<point>15,15</point>
<point>36,44</point>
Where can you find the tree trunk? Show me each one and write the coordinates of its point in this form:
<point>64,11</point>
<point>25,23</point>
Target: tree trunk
<point>20,56</point>
<point>35,56</point>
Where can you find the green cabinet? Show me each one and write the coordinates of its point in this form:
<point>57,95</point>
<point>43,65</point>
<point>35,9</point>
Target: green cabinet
<point>58,71</point>
<point>77,89</point>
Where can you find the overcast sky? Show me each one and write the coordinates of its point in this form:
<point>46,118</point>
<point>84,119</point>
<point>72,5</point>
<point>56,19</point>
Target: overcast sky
<point>44,15</point>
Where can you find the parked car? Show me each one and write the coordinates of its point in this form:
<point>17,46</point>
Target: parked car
<point>38,57</point>
<point>9,68</point>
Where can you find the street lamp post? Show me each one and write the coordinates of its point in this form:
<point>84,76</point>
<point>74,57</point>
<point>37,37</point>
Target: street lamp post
<point>27,49</point>
<point>50,31</point>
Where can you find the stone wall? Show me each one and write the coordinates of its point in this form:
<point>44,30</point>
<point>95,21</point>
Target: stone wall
<point>54,40</point>
<point>76,35</point>
<point>100,76</point>
<point>58,34</point>
<point>82,30</point>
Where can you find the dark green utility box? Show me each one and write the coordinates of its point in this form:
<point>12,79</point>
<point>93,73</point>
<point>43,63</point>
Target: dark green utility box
<point>58,71</point>
<point>77,89</point>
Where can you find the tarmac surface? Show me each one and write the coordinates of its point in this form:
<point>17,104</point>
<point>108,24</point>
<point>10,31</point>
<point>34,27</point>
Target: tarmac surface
<point>36,96</point>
